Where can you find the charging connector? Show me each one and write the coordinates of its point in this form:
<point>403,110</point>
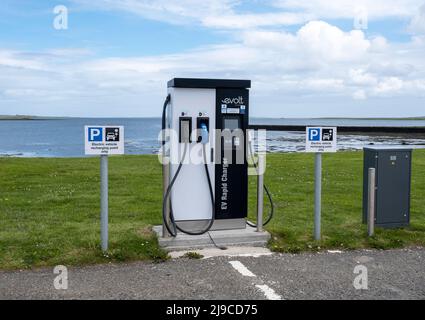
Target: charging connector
<point>204,134</point>
<point>185,128</point>
<point>203,128</point>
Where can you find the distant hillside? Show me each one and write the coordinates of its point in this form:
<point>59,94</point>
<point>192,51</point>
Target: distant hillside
<point>354,118</point>
<point>416,118</point>
<point>26,117</point>
<point>403,118</point>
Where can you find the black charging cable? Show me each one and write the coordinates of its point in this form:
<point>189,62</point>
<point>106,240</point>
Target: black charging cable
<point>164,110</point>
<point>168,191</point>
<point>269,196</point>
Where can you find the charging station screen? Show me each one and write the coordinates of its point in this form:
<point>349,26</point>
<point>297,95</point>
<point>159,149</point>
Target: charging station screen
<point>231,124</point>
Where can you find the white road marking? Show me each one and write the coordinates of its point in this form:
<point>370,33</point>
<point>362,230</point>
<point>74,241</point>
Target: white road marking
<point>241,269</point>
<point>268,292</point>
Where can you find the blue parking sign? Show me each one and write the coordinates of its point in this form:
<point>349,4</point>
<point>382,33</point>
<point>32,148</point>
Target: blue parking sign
<point>321,139</point>
<point>95,134</point>
<point>313,134</point>
<point>103,140</point>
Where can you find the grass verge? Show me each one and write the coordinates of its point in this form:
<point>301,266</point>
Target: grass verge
<point>49,208</point>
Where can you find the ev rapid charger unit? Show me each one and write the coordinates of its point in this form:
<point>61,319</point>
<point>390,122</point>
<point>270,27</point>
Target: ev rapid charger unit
<point>207,193</point>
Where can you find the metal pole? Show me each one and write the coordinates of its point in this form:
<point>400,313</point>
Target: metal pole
<point>317,194</point>
<point>104,202</point>
<point>371,202</point>
<point>260,192</point>
<point>165,184</point>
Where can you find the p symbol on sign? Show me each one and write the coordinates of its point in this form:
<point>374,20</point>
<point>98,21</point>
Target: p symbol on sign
<point>96,134</point>
<point>314,134</point>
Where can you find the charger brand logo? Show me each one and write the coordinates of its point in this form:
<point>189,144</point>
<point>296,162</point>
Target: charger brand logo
<point>237,101</point>
<point>95,134</point>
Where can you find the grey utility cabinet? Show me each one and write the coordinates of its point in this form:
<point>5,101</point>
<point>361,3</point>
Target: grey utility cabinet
<point>393,178</point>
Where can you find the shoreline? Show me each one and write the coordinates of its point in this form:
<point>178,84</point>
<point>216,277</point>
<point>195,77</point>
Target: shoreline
<point>22,155</point>
<point>30,118</point>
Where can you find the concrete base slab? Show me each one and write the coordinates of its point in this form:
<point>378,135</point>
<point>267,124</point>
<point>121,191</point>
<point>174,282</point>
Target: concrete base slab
<point>235,251</point>
<point>238,237</point>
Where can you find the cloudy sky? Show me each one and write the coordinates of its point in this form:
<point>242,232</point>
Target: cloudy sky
<point>312,58</point>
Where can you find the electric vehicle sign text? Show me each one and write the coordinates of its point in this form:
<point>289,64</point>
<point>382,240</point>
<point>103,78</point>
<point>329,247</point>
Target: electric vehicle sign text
<point>321,139</point>
<point>104,140</point>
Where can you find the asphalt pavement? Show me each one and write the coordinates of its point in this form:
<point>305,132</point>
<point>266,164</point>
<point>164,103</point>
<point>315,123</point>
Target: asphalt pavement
<point>392,274</point>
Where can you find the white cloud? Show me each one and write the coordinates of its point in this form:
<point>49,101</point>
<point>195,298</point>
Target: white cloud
<point>361,78</point>
<point>319,61</point>
<point>219,14</point>
<point>379,44</point>
<point>246,21</point>
<point>325,9</point>
<point>328,42</point>
<point>175,12</point>
<point>417,24</point>
<point>223,14</point>
<point>389,85</point>
<point>17,59</point>
<point>359,94</point>
<point>70,52</point>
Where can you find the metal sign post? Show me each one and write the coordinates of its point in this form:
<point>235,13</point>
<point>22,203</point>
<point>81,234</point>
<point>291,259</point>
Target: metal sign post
<point>260,191</point>
<point>104,202</point>
<point>317,194</point>
<point>371,202</point>
<point>104,141</point>
<point>319,140</point>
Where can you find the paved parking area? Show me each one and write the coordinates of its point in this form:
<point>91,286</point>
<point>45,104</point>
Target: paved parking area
<point>393,274</point>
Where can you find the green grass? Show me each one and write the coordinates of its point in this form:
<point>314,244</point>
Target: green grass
<point>193,255</point>
<point>49,208</point>
<point>290,178</point>
<point>49,211</point>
